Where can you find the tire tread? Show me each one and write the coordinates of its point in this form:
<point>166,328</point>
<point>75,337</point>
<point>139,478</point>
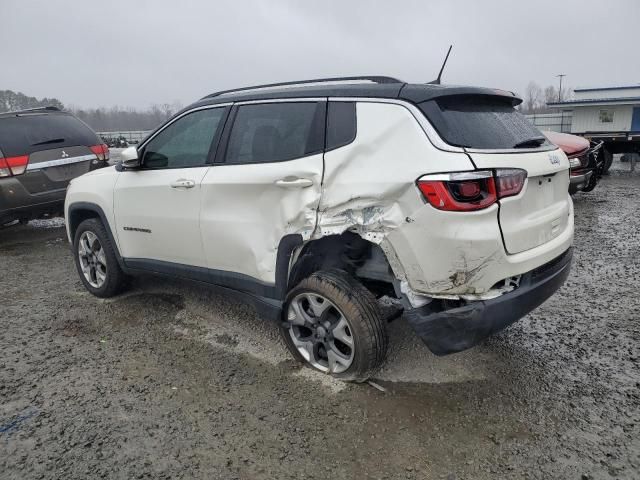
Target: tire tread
<point>361,306</point>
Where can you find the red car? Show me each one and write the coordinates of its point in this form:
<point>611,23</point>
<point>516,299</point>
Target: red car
<point>583,158</point>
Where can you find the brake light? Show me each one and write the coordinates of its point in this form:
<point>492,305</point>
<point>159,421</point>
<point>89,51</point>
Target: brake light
<point>101,151</point>
<point>13,165</point>
<point>459,192</point>
<point>469,191</point>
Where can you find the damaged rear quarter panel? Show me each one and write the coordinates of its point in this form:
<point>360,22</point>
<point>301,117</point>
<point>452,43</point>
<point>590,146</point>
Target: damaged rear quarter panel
<point>369,185</point>
<point>369,188</point>
<point>449,253</point>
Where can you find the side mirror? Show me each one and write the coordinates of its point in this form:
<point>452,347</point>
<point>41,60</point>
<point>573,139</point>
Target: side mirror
<point>129,158</point>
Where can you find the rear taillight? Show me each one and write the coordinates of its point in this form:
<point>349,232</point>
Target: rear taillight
<point>468,191</point>
<point>101,151</point>
<point>509,181</point>
<point>460,192</point>
<point>13,165</point>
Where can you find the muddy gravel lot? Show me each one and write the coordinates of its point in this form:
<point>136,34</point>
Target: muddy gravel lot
<point>175,380</point>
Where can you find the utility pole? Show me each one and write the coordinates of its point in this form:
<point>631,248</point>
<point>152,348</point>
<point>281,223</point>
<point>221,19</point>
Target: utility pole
<point>560,89</point>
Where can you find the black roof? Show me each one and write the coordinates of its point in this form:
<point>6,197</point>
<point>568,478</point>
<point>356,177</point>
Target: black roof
<point>376,87</point>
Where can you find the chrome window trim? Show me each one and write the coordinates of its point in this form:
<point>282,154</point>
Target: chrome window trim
<point>204,107</point>
<point>60,161</point>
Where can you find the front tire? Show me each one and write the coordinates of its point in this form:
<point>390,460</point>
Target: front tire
<point>96,260</point>
<point>334,325</point>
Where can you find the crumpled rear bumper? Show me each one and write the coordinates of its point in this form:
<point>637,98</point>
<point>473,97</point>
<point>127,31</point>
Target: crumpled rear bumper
<point>457,329</point>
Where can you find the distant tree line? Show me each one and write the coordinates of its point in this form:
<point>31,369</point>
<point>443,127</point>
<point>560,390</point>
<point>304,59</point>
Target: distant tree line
<point>10,100</point>
<point>100,119</point>
<point>536,98</point>
<point>124,119</point>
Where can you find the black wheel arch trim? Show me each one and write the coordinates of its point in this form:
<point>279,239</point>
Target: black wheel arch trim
<point>287,245</point>
<point>76,207</point>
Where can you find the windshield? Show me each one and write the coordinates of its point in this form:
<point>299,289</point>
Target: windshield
<point>483,122</point>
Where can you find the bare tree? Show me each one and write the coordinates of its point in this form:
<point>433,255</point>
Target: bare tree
<point>550,94</point>
<point>532,99</point>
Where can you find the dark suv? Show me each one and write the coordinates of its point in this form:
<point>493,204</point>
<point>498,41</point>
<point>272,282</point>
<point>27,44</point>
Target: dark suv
<point>40,151</point>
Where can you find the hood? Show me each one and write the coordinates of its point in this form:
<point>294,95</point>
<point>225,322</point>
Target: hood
<point>571,145</point>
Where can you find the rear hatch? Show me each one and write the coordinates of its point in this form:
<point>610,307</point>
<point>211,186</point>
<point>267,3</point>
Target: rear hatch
<point>56,146</point>
<point>496,136</point>
<point>540,212</point>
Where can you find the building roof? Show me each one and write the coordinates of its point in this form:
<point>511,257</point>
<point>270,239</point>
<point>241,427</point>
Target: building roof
<point>602,89</point>
<point>596,101</point>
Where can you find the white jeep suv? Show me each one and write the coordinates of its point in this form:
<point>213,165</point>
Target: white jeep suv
<point>337,205</point>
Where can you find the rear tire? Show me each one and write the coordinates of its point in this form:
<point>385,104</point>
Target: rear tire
<point>335,326</point>
<point>96,260</point>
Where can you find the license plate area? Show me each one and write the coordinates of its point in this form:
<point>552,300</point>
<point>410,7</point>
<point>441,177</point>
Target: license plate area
<point>546,190</point>
<point>538,215</point>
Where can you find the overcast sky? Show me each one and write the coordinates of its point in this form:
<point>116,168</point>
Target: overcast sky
<point>94,53</point>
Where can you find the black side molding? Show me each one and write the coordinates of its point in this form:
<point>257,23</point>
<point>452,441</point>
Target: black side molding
<point>243,287</point>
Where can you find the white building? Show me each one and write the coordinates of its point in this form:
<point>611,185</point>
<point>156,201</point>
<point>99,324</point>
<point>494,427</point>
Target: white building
<point>606,110</point>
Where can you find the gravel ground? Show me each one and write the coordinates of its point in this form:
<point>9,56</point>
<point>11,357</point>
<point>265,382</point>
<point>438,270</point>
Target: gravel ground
<point>174,380</point>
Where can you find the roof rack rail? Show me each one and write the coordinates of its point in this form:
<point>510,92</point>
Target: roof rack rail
<point>49,108</point>
<point>371,78</point>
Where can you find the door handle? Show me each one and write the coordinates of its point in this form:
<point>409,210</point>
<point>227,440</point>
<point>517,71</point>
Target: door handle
<point>294,182</point>
<point>183,183</point>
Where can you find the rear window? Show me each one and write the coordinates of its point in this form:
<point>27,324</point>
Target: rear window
<point>480,122</point>
<point>28,133</point>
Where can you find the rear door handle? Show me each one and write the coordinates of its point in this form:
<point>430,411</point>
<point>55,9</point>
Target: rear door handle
<point>294,182</point>
<point>182,183</point>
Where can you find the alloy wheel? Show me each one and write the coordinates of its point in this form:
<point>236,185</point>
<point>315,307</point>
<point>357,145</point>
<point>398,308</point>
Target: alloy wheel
<point>93,261</point>
<point>321,333</point>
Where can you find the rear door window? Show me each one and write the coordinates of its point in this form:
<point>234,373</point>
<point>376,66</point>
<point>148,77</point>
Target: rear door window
<point>275,132</point>
<point>481,122</point>
<point>28,133</point>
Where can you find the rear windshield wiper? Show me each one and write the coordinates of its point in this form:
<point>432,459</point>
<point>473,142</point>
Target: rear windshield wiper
<point>530,142</point>
<point>53,140</point>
